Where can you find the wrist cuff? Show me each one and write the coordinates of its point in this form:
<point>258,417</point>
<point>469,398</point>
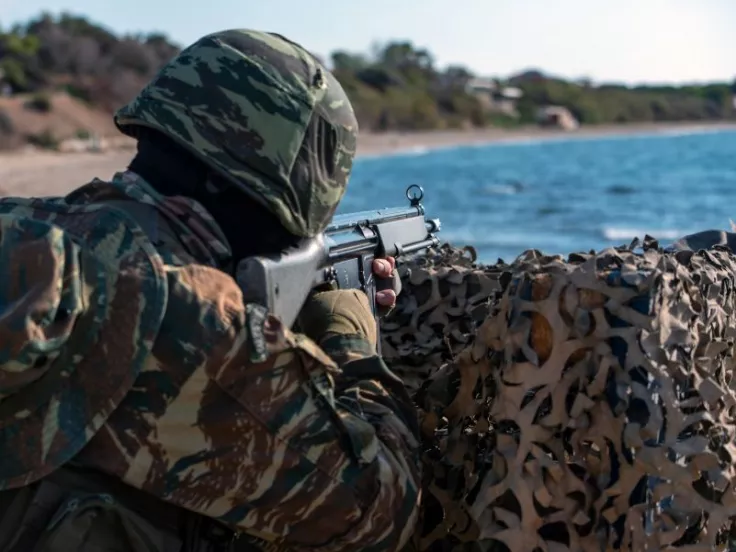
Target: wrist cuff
<point>344,348</point>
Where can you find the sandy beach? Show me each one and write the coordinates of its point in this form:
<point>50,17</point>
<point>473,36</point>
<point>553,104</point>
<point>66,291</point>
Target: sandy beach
<point>37,173</point>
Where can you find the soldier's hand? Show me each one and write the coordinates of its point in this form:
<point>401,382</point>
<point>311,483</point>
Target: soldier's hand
<point>348,312</point>
<point>337,312</point>
<point>388,283</point>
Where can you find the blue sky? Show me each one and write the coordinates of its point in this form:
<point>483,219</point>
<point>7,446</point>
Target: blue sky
<point>614,40</point>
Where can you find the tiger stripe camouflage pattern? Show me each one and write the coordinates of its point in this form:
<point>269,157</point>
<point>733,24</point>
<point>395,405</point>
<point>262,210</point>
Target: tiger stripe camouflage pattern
<point>578,404</point>
<point>581,404</point>
<point>128,347</point>
<point>265,114</point>
<point>294,452</point>
<point>78,323</point>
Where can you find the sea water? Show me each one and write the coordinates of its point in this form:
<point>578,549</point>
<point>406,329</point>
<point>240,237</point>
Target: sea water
<point>561,195</point>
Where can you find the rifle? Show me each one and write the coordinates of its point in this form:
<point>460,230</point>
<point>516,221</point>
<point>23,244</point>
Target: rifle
<point>342,255</point>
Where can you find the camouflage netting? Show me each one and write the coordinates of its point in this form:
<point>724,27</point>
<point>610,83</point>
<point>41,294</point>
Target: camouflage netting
<point>579,404</point>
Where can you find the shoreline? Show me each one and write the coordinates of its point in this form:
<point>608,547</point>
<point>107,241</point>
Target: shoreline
<point>36,173</point>
<point>397,143</point>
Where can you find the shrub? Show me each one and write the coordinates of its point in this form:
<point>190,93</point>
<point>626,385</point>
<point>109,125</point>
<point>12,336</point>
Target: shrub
<point>44,140</point>
<point>39,102</point>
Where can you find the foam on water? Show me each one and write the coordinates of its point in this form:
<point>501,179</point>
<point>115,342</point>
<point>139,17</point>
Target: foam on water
<point>413,151</point>
<point>614,233</point>
<point>501,189</point>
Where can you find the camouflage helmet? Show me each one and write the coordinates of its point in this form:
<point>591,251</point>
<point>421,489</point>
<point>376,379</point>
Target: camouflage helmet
<point>263,113</point>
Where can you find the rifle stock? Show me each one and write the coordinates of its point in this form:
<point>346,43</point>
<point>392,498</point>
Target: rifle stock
<point>342,256</point>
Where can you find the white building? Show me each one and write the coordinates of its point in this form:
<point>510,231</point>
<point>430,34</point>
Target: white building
<point>500,99</point>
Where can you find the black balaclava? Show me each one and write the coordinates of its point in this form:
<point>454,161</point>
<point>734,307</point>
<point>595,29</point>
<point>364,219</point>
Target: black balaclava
<point>249,227</point>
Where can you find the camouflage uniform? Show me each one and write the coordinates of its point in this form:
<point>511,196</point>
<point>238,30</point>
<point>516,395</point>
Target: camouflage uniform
<point>128,350</point>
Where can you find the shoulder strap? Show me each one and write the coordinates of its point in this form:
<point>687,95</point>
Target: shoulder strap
<point>148,218</point>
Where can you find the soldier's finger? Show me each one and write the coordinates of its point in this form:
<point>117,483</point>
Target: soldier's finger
<point>382,268</point>
<point>386,298</point>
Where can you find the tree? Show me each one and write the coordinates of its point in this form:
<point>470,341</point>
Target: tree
<point>344,61</point>
<point>396,85</point>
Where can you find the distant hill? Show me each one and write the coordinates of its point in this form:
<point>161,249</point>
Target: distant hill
<point>63,76</point>
<point>31,117</point>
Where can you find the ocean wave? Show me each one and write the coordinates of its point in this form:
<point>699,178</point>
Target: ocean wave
<point>416,150</point>
<point>458,236</point>
<point>618,233</point>
<point>621,189</point>
<point>409,151</point>
<point>502,189</point>
<point>692,131</point>
<point>481,238</point>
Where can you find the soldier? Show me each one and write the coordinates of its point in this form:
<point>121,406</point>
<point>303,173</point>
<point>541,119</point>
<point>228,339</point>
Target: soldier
<point>143,406</point>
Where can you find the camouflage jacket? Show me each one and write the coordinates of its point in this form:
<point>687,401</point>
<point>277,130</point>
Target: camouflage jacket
<point>129,350</point>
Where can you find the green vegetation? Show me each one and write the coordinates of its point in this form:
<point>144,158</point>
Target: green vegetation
<point>612,103</point>
<point>8,137</point>
<point>89,62</point>
<point>44,140</point>
<point>399,87</point>
<point>40,102</point>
